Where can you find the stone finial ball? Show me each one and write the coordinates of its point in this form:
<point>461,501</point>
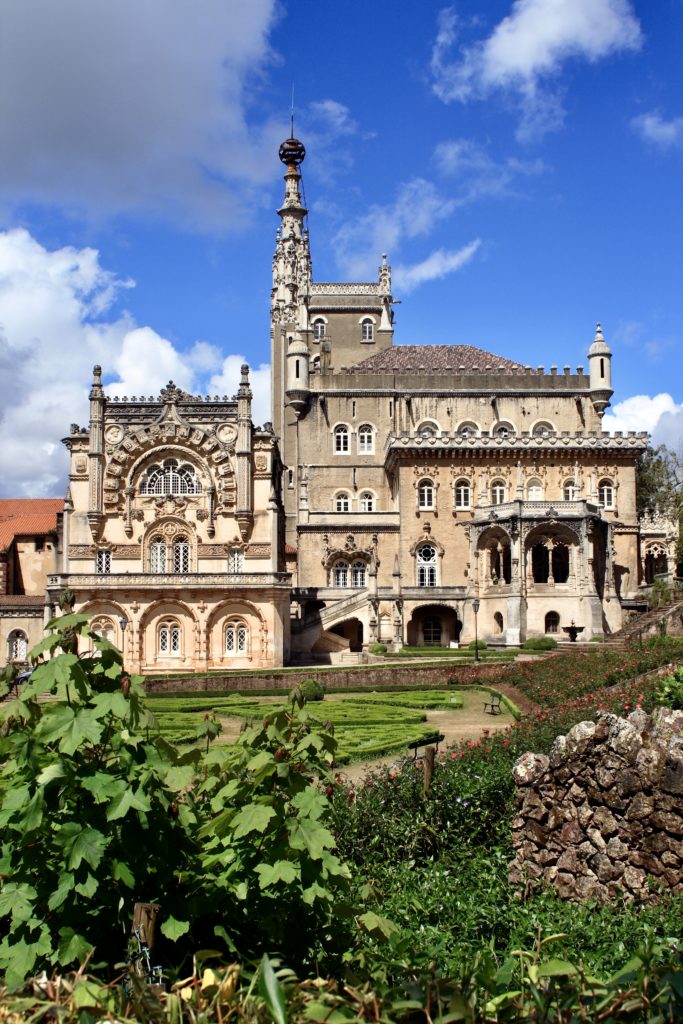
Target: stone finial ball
<point>292,152</point>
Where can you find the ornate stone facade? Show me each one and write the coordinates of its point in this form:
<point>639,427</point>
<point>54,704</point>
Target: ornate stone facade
<point>171,534</point>
<point>458,475</point>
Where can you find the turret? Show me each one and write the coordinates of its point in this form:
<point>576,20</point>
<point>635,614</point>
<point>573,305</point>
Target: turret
<point>244,511</point>
<point>297,373</point>
<point>96,452</point>
<point>600,369</point>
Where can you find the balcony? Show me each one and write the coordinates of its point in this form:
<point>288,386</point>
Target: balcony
<point>168,581</point>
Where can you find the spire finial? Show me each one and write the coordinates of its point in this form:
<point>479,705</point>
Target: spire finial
<point>291,134</point>
<point>598,332</point>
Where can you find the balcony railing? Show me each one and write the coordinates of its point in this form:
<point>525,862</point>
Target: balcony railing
<point>163,581</point>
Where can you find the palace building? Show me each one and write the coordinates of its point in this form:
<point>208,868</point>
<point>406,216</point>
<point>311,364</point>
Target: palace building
<point>409,494</point>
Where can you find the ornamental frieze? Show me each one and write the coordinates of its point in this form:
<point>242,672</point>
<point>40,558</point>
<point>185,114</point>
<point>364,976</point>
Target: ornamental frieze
<point>257,551</point>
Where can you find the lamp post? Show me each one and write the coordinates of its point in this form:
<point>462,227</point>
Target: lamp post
<point>123,622</point>
<point>475,609</point>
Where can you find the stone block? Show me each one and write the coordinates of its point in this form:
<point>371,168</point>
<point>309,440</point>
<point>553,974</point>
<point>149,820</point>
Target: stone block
<point>528,768</point>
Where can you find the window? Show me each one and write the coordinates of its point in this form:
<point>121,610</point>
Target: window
<point>428,429</point>
<point>569,490</point>
<point>503,430</point>
<point>367,502</point>
<point>425,494</point>
<point>103,563</point>
<point>340,575</point>
<point>157,555</point>
<point>342,503</point>
<point>169,638</point>
<point>318,329</point>
<point>341,440</point>
<point>236,561</point>
<point>104,628</point>
<point>171,477</point>
<point>17,643</point>
<point>498,624</point>
<point>534,490</point>
<point>366,439</point>
<point>552,622</point>
<point>236,639</point>
<point>606,493</point>
<point>497,492</point>
<point>431,630</point>
<point>181,555</point>
<point>367,330</point>
<point>543,428</point>
<point>426,566</point>
<point>466,430</point>
<point>290,477</point>
<point>462,494</point>
<point>358,574</point>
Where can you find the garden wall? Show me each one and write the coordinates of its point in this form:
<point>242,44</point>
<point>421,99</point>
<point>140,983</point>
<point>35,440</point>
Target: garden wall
<point>366,676</point>
<point>603,811</point>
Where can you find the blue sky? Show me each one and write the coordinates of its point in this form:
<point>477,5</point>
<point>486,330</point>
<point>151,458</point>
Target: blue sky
<point>519,160</point>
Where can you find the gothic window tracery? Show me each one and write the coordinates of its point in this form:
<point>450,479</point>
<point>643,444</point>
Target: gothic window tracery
<point>236,638</point>
<point>17,644</point>
<point>103,563</point>
<point>171,477</point>
<point>157,554</point>
<point>169,638</point>
<point>426,565</point>
<point>104,627</point>
<point>236,561</point>
<point>181,554</point>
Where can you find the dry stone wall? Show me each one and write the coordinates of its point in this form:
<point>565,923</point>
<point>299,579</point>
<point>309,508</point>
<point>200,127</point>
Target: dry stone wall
<point>604,811</point>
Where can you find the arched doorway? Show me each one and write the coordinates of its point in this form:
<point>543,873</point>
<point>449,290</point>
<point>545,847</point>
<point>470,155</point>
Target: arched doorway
<point>434,626</point>
<point>656,563</point>
<point>351,630</point>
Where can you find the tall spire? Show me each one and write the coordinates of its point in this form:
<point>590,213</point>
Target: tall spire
<point>292,259</point>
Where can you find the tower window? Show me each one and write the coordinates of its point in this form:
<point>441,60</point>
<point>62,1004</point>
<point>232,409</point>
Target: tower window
<point>367,330</point>
<point>426,566</point>
<point>318,329</point>
<point>425,494</point>
<point>497,492</point>
<point>367,502</point>
<point>534,491</point>
<point>342,503</point>
<point>365,439</point>
<point>569,490</point>
<point>606,494</point>
<point>462,494</point>
<point>341,440</point>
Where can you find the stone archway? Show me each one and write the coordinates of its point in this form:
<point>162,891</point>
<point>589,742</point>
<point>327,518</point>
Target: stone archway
<point>434,625</point>
<point>351,630</point>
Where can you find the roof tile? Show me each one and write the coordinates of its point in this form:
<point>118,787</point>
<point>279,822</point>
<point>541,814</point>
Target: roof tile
<point>27,516</point>
<point>434,359</point>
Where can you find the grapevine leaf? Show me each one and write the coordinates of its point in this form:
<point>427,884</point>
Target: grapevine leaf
<point>280,871</point>
<point>51,772</point>
<point>252,818</point>
<point>17,899</point>
<point>89,846</point>
<point>64,887</point>
<point>87,888</point>
<point>72,947</point>
<point>310,802</point>
<point>173,929</point>
<point>122,873</point>
<point>378,926</point>
<point>305,834</point>
<point>120,805</point>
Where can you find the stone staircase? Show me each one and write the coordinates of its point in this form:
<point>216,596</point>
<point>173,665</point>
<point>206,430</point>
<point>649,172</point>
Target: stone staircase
<point>647,624</point>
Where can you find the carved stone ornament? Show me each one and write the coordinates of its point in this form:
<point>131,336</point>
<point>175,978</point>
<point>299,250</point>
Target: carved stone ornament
<point>80,465</point>
<point>257,551</point>
<point>261,463</point>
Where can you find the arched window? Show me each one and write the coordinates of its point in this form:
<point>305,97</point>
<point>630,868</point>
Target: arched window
<point>315,364</point>
<point>318,329</point>
<point>342,502</point>
<point>17,644</point>
<point>103,563</point>
<point>552,622</point>
<point>463,494</point>
<point>425,494</point>
<point>426,565</point>
<point>542,428</point>
<point>467,429</point>
<point>428,429</point>
<point>540,563</point>
<point>157,555</point>
<point>366,439</point>
<point>341,440</point>
<point>236,639</point>
<point>559,562</point>
<point>498,623</point>
<point>569,490</point>
<point>171,477</point>
<point>367,329</point>
<point>497,492</point>
<point>340,574</point>
<point>236,561</point>
<point>606,493</point>
<point>358,570</point>
<point>169,638</point>
<point>104,628</point>
<point>503,430</point>
<point>367,502</point>
<point>534,490</point>
<point>181,555</point>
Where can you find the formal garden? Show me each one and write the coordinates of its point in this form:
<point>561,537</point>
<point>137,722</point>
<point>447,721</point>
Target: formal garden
<point>285,890</point>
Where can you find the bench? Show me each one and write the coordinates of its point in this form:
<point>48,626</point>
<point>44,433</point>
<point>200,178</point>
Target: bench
<point>492,706</point>
<point>426,741</point>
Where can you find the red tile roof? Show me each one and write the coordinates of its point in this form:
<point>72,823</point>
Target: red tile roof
<point>22,600</point>
<point>31,517</point>
<point>434,359</point>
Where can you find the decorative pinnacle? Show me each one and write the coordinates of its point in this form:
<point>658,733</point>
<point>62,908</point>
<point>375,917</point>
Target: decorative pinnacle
<point>598,332</point>
<point>292,153</point>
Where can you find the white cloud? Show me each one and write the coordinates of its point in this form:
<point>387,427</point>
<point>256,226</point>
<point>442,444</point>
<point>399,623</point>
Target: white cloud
<point>526,49</point>
<point>660,415</point>
<point>227,380</point>
<point>130,106</point>
<point>57,320</point>
<point>417,209</point>
<point>655,128</point>
<point>475,171</point>
<point>437,265</point>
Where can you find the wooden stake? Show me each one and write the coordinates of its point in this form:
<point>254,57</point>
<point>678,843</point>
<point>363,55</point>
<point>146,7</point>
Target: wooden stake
<point>144,919</point>
<point>428,768</point>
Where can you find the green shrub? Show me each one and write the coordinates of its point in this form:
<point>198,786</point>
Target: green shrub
<point>660,594</point>
<point>480,644</point>
<point>540,643</point>
<point>670,690</point>
<point>311,690</point>
<point>378,648</point>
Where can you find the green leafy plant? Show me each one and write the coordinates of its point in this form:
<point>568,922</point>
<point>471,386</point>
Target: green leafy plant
<point>479,644</point>
<point>311,690</point>
<point>378,648</point>
<point>670,690</point>
<point>540,643</point>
